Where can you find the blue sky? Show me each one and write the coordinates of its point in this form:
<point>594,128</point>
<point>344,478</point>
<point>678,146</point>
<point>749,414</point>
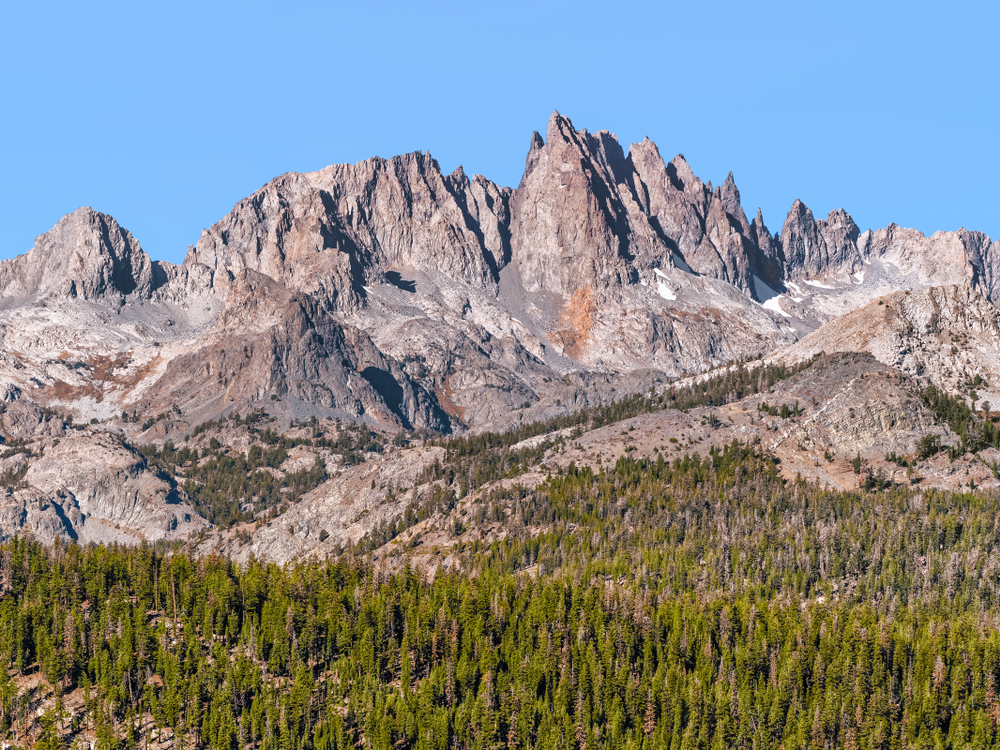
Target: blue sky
<point>164,116</point>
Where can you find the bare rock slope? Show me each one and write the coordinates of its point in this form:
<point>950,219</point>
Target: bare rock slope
<point>83,484</point>
<point>948,335</point>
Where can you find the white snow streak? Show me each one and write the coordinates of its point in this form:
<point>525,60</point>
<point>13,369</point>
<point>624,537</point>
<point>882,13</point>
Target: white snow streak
<point>795,288</point>
<point>775,304</point>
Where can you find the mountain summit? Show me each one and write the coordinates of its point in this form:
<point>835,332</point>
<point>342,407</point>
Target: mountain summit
<point>87,255</point>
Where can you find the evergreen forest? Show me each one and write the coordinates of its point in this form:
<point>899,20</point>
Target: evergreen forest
<point>701,603</point>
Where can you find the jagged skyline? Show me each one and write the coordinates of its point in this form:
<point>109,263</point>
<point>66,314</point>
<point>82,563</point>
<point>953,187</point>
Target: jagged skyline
<point>797,105</point>
<point>388,299</point>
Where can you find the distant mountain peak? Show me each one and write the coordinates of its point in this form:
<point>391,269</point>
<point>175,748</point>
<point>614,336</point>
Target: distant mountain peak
<point>87,254</point>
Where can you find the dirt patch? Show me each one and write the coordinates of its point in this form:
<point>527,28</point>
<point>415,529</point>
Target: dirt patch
<point>140,374</point>
<point>445,396</point>
<point>102,366</point>
<point>577,318</point>
<point>104,371</point>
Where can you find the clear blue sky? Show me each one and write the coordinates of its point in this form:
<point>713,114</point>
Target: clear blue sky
<point>164,115</point>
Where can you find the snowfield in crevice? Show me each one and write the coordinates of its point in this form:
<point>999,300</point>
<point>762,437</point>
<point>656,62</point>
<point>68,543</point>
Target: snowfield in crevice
<point>662,289</point>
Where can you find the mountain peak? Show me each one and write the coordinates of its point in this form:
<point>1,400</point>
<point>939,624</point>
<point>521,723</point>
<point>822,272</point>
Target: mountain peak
<point>558,125</point>
<point>86,254</point>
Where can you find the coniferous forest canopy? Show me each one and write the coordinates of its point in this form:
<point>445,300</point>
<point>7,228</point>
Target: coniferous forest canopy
<point>703,603</point>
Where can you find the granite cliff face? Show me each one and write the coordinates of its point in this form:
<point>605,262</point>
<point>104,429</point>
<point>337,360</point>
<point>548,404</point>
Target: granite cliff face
<point>571,225</point>
<point>330,233</point>
<point>389,293</point>
<point>815,248</point>
<point>587,215</point>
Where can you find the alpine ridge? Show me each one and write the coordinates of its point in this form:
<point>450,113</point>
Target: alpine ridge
<point>388,295</point>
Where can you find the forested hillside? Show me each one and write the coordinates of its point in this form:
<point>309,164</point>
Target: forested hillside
<point>704,603</point>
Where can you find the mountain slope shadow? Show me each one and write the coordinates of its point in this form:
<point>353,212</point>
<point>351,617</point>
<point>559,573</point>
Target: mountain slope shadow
<point>387,387</point>
<point>399,282</point>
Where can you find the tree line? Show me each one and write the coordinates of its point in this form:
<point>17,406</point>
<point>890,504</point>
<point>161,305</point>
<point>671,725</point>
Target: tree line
<point>699,603</point>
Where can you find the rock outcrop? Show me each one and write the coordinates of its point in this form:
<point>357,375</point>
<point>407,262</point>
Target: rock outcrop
<point>949,336</point>
<point>83,484</point>
<point>270,344</point>
<point>813,248</point>
<point>341,511</point>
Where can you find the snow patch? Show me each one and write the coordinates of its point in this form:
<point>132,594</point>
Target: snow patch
<point>665,291</point>
<point>772,299</point>
<point>659,273</point>
<point>763,290</point>
<point>774,304</point>
<point>816,283</point>
<point>795,288</point>
<point>860,275</point>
